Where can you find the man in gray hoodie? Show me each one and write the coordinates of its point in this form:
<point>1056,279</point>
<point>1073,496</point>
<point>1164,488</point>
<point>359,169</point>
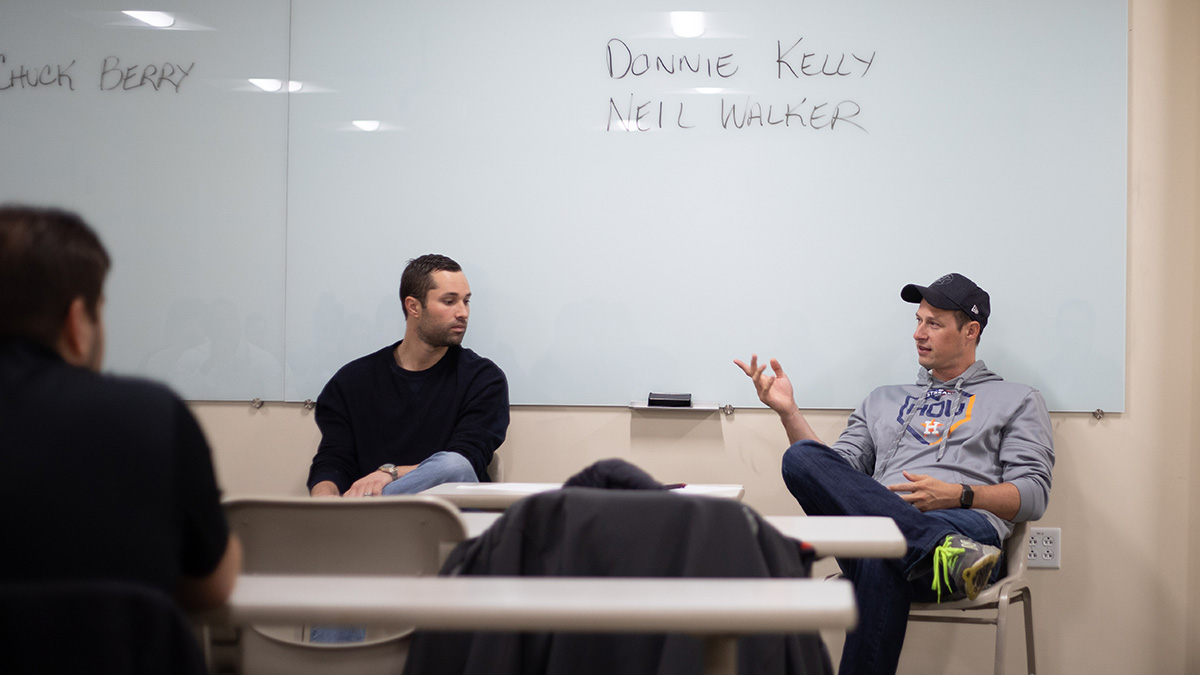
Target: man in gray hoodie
<point>954,459</point>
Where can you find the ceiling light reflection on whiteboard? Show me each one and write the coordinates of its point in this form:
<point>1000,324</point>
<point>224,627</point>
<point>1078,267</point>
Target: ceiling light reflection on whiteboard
<point>272,85</point>
<point>266,83</point>
<point>367,125</point>
<point>156,19</point>
<point>687,24</point>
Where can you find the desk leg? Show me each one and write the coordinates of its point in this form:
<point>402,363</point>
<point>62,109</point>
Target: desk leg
<point>720,655</point>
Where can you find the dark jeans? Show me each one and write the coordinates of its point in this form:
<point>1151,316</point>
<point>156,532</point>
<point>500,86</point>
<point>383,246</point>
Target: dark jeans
<point>825,484</point>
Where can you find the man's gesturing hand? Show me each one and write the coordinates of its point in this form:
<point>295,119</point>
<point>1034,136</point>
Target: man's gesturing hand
<point>774,390</point>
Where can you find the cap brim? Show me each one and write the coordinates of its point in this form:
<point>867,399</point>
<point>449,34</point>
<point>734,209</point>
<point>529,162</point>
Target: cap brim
<point>915,294</point>
<point>912,293</point>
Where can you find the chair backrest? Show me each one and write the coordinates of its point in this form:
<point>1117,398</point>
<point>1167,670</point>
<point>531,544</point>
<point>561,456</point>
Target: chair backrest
<point>408,535</point>
<point>102,627</point>
<point>1016,549</point>
<point>401,535</point>
<point>496,470</point>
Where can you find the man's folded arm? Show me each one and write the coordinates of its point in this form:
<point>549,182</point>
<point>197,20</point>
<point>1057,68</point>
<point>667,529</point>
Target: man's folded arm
<point>334,464</point>
<point>325,488</point>
<point>1004,499</point>
<point>483,424</point>
<point>1027,457</point>
<point>213,589</point>
<point>210,556</point>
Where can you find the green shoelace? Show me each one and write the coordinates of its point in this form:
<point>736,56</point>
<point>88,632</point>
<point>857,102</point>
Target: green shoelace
<point>944,558</point>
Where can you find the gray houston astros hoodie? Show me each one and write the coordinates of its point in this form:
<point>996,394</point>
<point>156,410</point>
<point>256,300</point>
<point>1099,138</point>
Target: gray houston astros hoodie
<point>975,429</point>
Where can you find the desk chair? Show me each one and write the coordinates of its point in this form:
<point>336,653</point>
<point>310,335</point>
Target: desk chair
<point>1012,587</point>
<point>497,469</point>
<point>401,535</point>
<point>94,627</point>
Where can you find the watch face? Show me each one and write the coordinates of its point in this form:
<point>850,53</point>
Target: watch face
<point>387,467</point>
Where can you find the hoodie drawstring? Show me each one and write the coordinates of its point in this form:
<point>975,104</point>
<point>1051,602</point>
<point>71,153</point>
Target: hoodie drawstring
<point>954,406</point>
<point>956,385</point>
<point>879,469</point>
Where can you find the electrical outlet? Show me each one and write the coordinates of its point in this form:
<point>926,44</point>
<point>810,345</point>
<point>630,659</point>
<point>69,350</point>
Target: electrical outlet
<point>1045,547</point>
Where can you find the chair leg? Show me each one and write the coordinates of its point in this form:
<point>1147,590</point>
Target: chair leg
<point>1031,660</point>
<point>1001,632</point>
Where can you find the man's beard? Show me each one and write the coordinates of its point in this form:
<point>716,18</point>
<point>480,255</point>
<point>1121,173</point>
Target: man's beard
<point>441,336</point>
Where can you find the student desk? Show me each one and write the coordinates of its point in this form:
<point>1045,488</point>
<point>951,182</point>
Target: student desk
<point>717,610</point>
<point>845,536</point>
<point>837,536</point>
<point>503,495</point>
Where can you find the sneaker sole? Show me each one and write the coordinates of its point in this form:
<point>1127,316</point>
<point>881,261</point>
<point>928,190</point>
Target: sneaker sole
<point>977,576</point>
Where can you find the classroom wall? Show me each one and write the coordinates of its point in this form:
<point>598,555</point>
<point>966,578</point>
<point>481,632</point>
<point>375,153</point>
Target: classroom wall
<point>1127,599</point>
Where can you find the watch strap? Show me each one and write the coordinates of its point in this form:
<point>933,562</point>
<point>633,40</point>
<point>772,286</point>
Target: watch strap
<point>967,498</point>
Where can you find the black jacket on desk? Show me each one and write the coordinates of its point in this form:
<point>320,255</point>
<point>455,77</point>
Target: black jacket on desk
<point>373,412</point>
<point>620,533</point>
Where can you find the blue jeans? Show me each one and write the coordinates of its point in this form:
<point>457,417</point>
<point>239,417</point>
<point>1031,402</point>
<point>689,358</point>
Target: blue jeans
<point>438,468</point>
<point>825,484</point>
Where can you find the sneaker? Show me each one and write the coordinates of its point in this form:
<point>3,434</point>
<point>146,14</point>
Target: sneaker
<point>963,567</point>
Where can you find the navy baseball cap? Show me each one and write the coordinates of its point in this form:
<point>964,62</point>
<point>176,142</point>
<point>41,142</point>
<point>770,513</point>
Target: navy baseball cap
<point>952,291</point>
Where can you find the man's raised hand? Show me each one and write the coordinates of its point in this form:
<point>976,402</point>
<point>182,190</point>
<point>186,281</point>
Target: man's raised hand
<point>775,389</point>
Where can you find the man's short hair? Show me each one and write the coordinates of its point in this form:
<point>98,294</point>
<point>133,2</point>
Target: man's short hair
<point>961,319</point>
<point>48,257</point>
<point>417,279</point>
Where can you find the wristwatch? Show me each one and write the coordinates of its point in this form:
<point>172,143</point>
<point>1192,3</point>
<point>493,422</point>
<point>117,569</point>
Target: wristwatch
<point>390,468</point>
<point>967,498</point>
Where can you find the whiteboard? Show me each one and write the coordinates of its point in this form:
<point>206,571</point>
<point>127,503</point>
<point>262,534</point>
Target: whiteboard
<point>628,229</point>
<point>157,139</point>
<point>633,209</point>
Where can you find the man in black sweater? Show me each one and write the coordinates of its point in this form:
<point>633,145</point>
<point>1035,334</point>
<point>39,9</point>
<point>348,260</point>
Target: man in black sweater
<point>418,413</point>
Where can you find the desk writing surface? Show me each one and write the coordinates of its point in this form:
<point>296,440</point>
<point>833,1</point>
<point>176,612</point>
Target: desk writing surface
<point>838,536</point>
<point>634,208</point>
<point>717,606</point>
<point>503,495</point>
<point>517,488</point>
<point>845,536</point>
